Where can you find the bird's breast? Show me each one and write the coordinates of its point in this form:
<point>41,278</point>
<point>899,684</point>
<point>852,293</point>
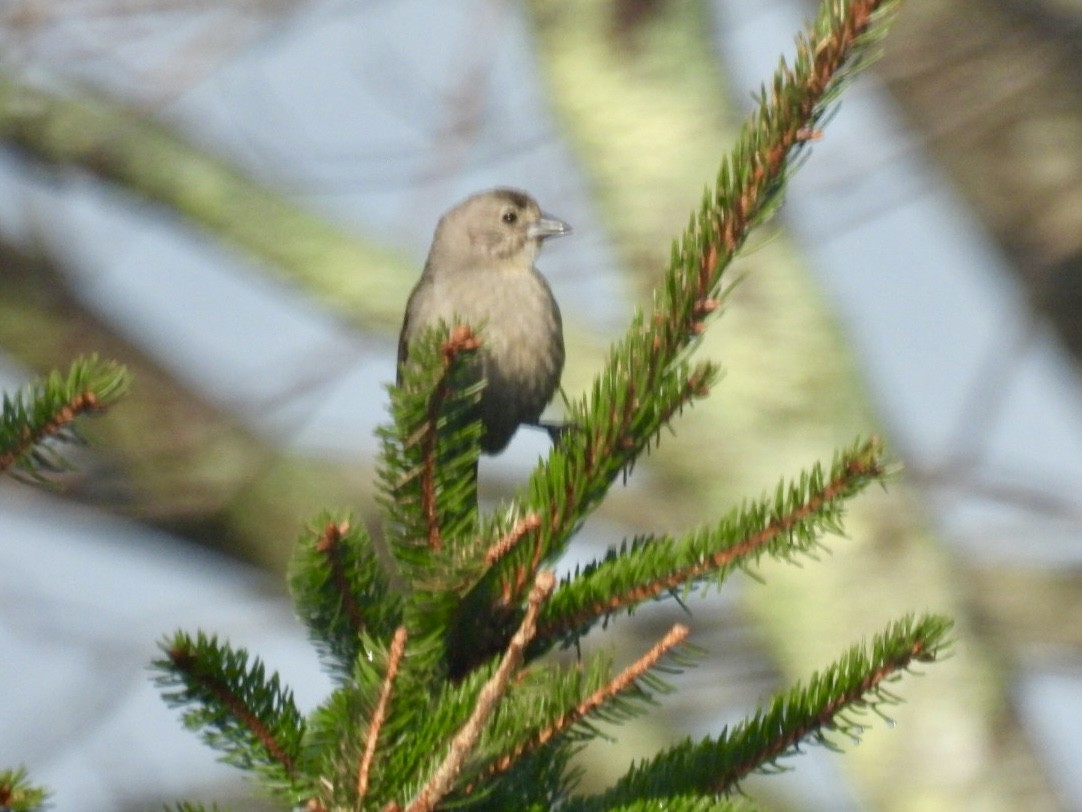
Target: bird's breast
<point>522,335</point>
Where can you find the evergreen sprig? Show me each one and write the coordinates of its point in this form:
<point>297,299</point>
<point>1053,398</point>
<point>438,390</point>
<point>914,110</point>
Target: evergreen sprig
<point>17,794</point>
<point>240,711</point>
<point>782,526</point>
<point>568,702</point>
<point>338,730</point>
<point>647,378</point>
<point>430,451</point>
<point>423,716</point>
<point>429,479</point>
<point>35,421</point>
<point>824,712</point>
<point>341,591</point>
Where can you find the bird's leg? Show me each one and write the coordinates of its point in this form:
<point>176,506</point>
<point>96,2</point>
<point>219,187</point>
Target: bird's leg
<point>557,432</point>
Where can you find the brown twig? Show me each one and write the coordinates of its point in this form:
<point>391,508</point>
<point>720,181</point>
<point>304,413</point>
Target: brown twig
<point>675,636</point>
<point>398,648</point>
<point>507,542</point>
<point>491,693</point>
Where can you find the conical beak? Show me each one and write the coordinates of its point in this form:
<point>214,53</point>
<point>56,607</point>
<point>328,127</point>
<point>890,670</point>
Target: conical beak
<point>547,226</point>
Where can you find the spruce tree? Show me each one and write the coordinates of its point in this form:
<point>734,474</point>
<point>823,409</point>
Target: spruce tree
<point>444,696</point>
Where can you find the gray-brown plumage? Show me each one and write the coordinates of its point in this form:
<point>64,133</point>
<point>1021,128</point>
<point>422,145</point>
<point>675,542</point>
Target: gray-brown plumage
<point>480,271</point>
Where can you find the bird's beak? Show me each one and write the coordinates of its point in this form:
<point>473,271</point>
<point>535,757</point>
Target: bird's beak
<point>547,226</point>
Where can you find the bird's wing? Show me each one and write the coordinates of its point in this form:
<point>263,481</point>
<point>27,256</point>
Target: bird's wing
<point>403,344</point>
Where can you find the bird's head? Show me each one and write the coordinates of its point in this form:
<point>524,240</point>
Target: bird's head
<point>496,226</point>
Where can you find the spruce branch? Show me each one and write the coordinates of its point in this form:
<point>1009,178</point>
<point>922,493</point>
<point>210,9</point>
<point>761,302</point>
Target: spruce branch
<point>43,414</point>
<point>491,693</point>
<point>429,482</point>
<point>17,794</point>
<point>340,590</point>
<point>595,702</point>
<point>782,526</point>
<point>461,340</point>
<point>242,712</point>
<point>817,713</point>
<point>430,452</point>
<point>384,701</point>
<point>510,765</point>
<point>330,545</point>
<point>577,475</point>
<point>614,420</point>
<point>631,675</point>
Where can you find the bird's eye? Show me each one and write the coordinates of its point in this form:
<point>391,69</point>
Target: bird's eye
<point>510,217</point>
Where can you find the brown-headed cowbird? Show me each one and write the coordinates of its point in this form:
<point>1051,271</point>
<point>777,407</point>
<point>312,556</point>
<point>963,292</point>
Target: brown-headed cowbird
<point>480,271</point>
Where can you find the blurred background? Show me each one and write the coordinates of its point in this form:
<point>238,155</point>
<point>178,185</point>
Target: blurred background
<point>234,199</point>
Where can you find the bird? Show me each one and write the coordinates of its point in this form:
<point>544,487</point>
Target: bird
<point>480,271</point>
